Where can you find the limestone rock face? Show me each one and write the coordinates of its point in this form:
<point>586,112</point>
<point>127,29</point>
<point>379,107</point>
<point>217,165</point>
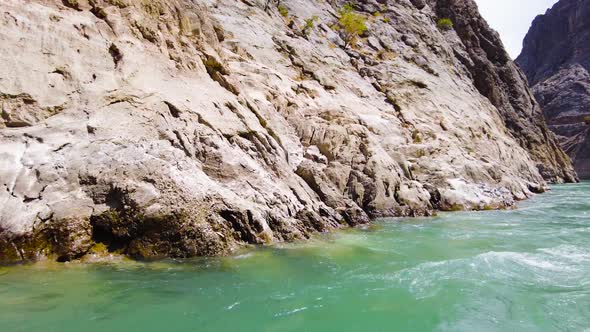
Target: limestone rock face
<point>556,60</point>
<point>183,128</point>
<point>500,80</point>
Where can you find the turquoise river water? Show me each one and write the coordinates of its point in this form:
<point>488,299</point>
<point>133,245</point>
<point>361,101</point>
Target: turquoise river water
<point>520,270</point>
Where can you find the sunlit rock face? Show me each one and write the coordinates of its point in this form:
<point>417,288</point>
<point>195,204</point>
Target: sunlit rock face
<point>556,60</point>
<point>185,128</point>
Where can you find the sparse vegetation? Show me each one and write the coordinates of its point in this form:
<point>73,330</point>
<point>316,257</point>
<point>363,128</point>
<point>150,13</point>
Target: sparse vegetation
<point>587,120</point>
<point>268,2</point>
<point>444,24</point>
<point>72,4</point>
<point>351,25</point>
<point>416,137</point>
<point>310,22</point>
<point>118,3</point>
<point>283,11</point>
<point>421,153</point>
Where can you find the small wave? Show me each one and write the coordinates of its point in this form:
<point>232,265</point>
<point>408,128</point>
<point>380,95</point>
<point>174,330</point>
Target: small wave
<point>290,312</point>
<point>569,252</point>
<point>244,256</point>
<point>535,261</point>
<point>231,306</point>
<point>546,267</point>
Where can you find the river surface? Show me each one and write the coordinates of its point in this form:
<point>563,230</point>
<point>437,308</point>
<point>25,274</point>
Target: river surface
<point>520,270</point>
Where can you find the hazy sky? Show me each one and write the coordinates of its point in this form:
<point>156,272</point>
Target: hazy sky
<point>512,19</point>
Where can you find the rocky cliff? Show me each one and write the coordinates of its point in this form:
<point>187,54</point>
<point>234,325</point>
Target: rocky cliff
<point>556,60</point>
<point>182,128</point>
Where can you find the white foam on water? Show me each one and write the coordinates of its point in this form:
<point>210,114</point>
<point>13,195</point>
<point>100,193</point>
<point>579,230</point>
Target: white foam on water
<point>547,267</point>
<point>530,260</point>
<point>244,256</point>
<point>290,312</point>
<point>569,252</point>
<point>231,306</point>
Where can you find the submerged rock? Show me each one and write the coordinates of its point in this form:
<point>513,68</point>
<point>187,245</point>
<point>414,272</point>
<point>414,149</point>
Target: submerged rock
<point>182,128</point>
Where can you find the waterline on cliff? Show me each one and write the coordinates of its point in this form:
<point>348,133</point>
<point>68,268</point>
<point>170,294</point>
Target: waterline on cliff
<point>526,269</point>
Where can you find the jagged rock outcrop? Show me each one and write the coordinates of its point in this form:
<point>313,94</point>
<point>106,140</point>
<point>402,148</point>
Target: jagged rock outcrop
<point>556,60</point>
<point>182,128</point>
<point>499,79</point>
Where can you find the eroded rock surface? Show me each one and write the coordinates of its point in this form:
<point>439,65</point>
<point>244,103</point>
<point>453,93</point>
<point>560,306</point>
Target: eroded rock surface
<point>182,128</point>
<point>556,60</point>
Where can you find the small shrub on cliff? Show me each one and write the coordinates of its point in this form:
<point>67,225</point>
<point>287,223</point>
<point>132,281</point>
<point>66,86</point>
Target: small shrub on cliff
<point>444,24</point>
<point>416,137</point>
<point>267,4</point>
<point>351,25</point>
<point>587,120</point>
<point>283,11</point>
<point>72,4</point>
<point>309,24</point>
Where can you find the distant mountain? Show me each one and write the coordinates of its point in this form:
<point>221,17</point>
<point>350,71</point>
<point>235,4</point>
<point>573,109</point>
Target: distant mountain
<point>556,60</point>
